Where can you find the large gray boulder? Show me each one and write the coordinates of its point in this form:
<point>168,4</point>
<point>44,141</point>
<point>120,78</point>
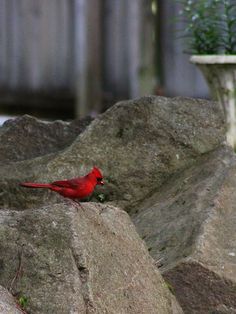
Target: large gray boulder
<point>138,145</point>
<point>189,227</point>
<point>63,259</point>
<point>165,162</point>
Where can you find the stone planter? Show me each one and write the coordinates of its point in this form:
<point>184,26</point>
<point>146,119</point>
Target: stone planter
<point>220,74</point>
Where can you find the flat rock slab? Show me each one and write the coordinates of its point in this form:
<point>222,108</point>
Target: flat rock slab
<point>68,260</point>
<point>189,227</point>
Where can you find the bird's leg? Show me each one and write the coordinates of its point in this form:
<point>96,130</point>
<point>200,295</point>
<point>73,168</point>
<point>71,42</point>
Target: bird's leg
<point>78,203</point>
<point>74,203</point>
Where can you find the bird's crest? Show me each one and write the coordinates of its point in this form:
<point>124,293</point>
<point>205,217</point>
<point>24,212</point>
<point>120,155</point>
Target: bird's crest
<point>97,172</point>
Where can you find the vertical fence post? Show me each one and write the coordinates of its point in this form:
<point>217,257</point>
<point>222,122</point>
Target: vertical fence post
<point>87,56</point>
<point>134,46</point>
<point>129,48</point>
<point>115,57</point>
<point>179,76</point>
<point>81,56</point>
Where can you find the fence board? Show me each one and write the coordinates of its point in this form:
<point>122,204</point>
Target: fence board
<point>88,56</point>
<point>115,48</point>
<point>95,56</point>
<point>134,28</point>
<point>180,77</point>
<point>81,46</point>
<point>148,47</point>
<point>36,45</point>
<point>128,48</point>
<point>3,42</point>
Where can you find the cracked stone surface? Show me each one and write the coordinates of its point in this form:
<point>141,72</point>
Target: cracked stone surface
<point>189,225</point>
<point>80,261</point>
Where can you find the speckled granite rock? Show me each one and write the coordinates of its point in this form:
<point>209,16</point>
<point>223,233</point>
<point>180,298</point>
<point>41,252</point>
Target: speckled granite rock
<point>189,226</point>
<point>80,261</point>
<point>147,149</point>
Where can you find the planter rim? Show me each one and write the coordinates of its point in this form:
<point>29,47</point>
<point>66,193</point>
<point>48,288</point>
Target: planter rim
<point>213,59</point>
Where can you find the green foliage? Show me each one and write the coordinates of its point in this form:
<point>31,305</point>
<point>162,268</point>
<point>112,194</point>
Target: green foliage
<point>170,287</point>
<point>101,197</point>
<point>209,26</point>
<point>23,301</point>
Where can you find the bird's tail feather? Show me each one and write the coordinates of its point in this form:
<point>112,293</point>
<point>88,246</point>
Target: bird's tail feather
<point>35,185</point>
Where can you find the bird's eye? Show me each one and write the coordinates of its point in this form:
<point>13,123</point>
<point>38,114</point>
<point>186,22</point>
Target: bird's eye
<point>99,179</point>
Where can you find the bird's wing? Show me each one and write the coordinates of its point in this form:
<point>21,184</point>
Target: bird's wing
<point>72,184</point>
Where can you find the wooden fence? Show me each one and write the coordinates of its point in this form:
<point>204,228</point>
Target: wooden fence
<point>36,44</point>
<point>96,51</point>
<point>115,51</point>
<point>179,77</point>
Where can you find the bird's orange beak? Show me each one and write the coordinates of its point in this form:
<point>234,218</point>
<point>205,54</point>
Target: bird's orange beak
<point>102,183</point>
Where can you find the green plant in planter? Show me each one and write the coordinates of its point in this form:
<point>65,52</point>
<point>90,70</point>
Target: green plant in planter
<point>210,33</point>
<point>210,26</point>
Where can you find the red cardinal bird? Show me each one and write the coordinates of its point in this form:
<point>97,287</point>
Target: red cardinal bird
<point>75,189</point>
